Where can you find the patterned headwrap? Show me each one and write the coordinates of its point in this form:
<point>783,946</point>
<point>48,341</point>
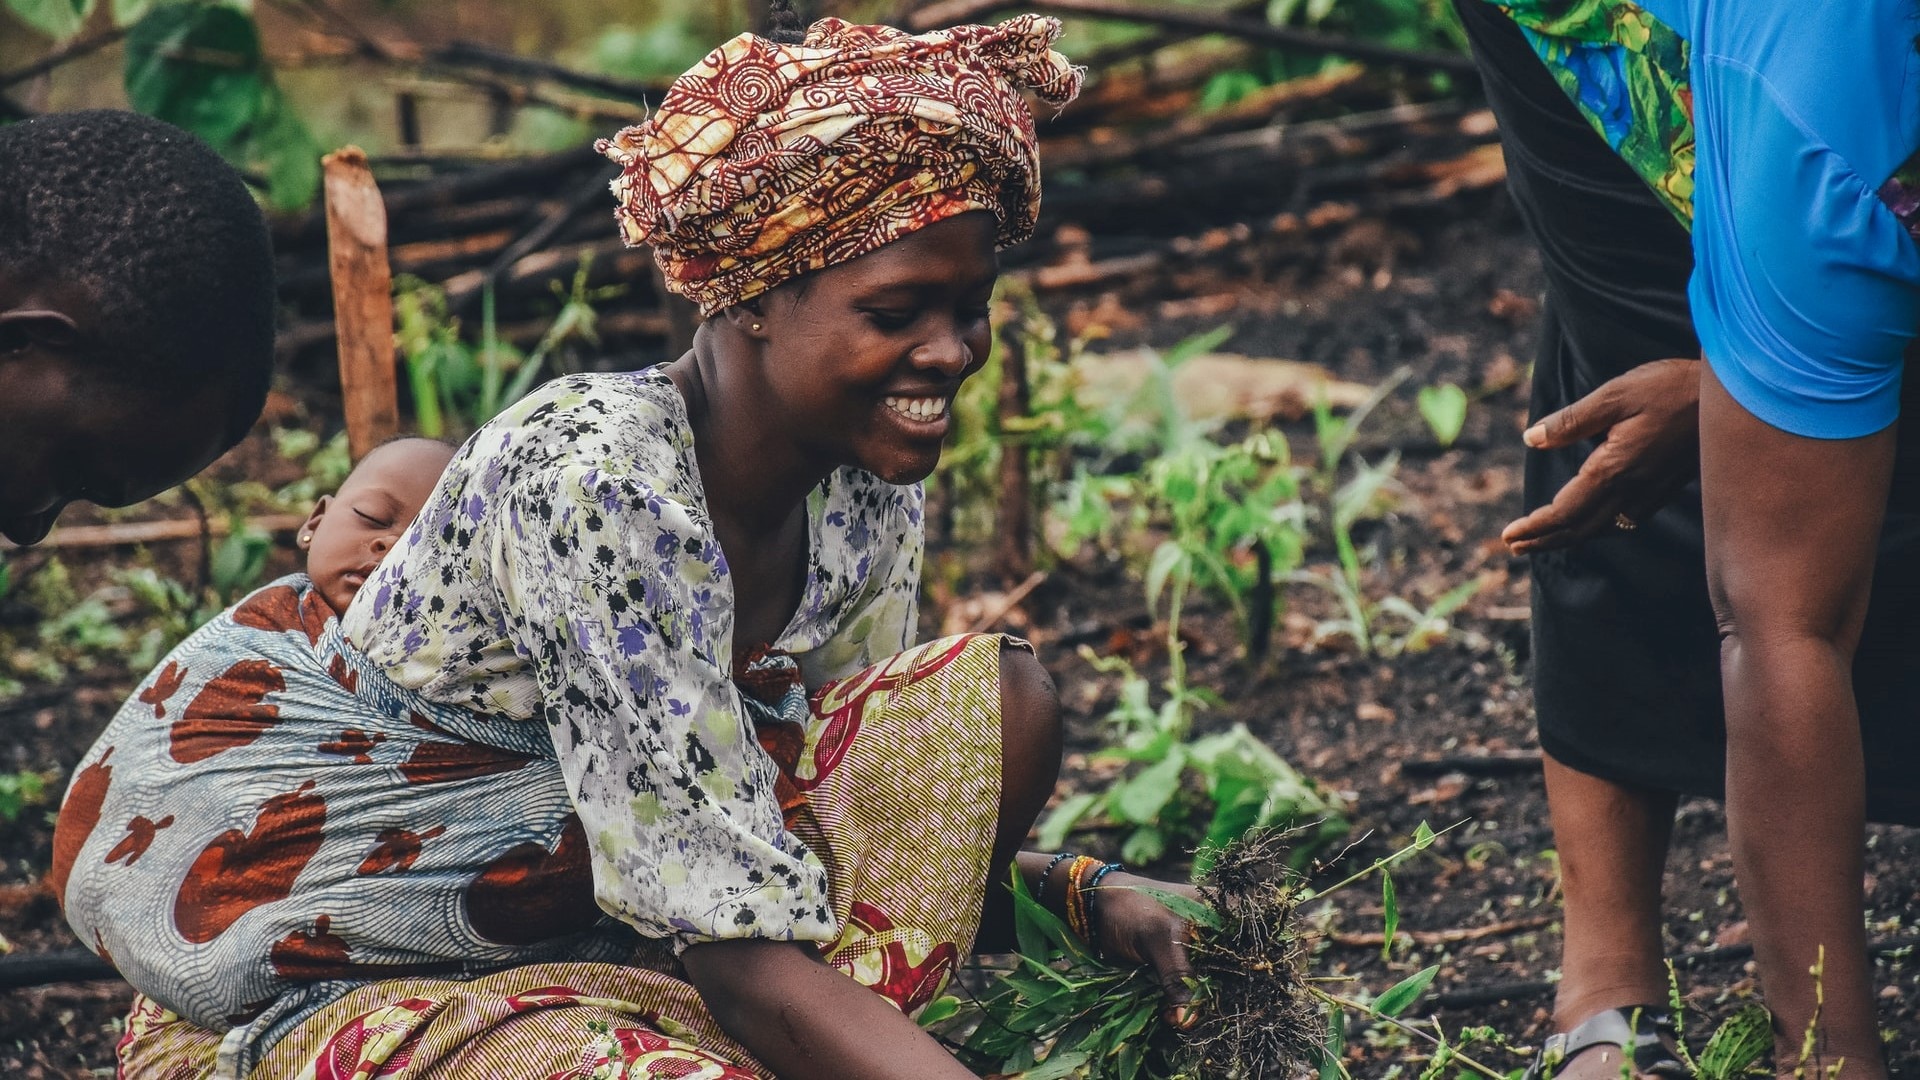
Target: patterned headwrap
<point>768,161</point>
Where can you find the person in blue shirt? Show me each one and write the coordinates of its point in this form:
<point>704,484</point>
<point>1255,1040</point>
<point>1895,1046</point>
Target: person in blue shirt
<point>1723,522</point>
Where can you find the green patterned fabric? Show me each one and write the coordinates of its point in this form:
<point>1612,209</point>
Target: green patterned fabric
<point>1627,72</point>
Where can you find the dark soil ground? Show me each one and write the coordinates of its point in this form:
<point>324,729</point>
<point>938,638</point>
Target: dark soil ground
<point>1455,299</point>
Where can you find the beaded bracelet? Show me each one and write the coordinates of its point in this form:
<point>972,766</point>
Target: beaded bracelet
<point>1077,915</point>
<point>1040,891</point>
<point>1087,891</point>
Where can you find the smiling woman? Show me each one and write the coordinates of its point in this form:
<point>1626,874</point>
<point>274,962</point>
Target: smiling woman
<point>640,682</point>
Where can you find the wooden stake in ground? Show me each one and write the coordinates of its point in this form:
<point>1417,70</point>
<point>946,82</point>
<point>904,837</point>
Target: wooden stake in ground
<point>362,299</point>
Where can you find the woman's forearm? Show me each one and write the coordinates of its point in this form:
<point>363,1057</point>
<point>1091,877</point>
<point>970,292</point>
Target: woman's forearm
<point>805,1020</point>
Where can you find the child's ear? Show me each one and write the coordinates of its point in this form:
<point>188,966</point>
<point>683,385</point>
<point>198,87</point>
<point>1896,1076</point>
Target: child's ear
<point>45,328</point>
<point>305,540</point>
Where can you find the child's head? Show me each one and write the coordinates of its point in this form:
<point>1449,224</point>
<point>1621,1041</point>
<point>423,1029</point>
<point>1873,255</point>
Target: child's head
<point>353,529</point>
<point>136,312</point>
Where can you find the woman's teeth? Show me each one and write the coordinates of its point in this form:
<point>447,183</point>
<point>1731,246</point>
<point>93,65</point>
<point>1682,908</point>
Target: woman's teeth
<point>919,408</point>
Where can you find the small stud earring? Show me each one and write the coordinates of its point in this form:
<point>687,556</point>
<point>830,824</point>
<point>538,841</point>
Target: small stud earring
<point>756,328</point>
<point>306,538</point>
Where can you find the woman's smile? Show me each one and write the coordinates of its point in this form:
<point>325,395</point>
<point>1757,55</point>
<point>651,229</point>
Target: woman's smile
<point>922,412</point>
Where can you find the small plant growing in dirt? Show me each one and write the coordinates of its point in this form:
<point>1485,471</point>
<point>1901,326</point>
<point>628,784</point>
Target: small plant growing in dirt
<point>21,790</point>
<point>1187,793</point>
<point>1735,1049</point>
<point>1390,625</point>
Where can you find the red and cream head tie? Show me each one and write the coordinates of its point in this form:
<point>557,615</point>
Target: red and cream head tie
<point>769,161</point>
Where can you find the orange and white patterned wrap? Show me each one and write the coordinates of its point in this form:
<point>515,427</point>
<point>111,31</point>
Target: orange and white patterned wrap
<point>902,804</point>
<point>768,161</point>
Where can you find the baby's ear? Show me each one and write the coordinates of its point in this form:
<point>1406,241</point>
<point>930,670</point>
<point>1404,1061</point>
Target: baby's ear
<point>313,522</point>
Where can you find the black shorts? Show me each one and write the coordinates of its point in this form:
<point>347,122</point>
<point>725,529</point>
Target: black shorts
<point>1626,654</point>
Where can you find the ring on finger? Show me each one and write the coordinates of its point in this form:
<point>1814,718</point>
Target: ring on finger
<point>1624,523</point>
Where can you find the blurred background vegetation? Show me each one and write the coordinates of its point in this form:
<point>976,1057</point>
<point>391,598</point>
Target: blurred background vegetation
<point>275,83</point>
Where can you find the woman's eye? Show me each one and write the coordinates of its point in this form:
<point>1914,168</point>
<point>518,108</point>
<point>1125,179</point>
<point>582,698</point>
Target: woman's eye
<point>890,320</point>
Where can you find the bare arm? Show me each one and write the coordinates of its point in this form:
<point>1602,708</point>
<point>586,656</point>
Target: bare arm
<point>1791,531</point>
<point>806,1020</point>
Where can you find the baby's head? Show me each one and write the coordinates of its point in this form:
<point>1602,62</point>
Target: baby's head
<point>353,529</point>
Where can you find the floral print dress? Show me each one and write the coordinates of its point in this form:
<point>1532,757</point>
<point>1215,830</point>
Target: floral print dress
<point>566,573</point>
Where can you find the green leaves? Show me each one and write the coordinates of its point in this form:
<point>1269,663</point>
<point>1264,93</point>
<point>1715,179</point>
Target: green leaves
<point>240,560</point>
<point>58,19</point>
<point>1335,1047</point>
<point>1141,798</point>
<point>1444,407</point>
<point>1061,1011</point>
<point>199,65</point>
<point>20,790</point>
<point>1186,907</point>
<point>1401,996</point>
<point>1736,1049</point>
<point>283,149</point>
<point>943,1008</point>
<point>1390,921</point>
<point>196,65</point>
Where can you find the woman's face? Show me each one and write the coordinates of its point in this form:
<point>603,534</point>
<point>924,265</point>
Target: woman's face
<point>865,357</point>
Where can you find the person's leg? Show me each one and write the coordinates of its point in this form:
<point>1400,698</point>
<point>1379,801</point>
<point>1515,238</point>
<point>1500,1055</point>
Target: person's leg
<point>1625,650</point>
<point>1612,841</point>
<point>1030,746</point>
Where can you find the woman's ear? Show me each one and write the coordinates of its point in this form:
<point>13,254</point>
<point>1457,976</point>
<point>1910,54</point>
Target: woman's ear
<point>305,539</point>
<point>749,317</point>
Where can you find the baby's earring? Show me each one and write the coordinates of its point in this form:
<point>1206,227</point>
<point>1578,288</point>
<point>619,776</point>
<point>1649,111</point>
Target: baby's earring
<point>306,538</point>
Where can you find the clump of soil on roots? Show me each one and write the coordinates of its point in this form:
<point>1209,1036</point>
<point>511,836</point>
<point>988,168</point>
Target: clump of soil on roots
<point>1255,1016</point>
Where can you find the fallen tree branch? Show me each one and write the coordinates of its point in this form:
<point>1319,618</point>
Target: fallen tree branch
<point>585,195</point>
<point>1474,764</point>
<point>1205,22</point>
<point>1455,936</point>
<point>23,970</point>
<point>154,532</point>
<point>1007,603</point>
<point>470,54</point>
<point>72,50</point>
<point>1102,147</point>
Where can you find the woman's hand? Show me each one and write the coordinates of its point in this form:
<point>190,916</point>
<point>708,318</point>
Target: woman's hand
<point>1648,421</point>
<point>1135,928</point>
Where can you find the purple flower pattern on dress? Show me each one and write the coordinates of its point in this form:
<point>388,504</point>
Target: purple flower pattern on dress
<point>566,571</point>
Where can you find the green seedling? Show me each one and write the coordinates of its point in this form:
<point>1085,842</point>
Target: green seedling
<point>1444,407</point>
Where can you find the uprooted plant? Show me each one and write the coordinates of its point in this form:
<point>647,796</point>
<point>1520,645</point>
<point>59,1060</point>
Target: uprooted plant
<point>1260,1014</point>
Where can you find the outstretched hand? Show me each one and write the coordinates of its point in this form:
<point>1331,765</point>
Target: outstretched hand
<point>1648,424</point>
<point>1135,928</point>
